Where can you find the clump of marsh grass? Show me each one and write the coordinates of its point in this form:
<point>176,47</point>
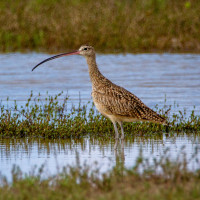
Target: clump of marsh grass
<point>51,118</point>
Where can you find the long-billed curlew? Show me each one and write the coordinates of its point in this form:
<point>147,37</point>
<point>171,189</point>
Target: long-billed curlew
<point>111,100</point>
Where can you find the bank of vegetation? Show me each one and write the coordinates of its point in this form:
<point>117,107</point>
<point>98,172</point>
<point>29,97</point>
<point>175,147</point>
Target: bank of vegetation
<point>49,117</point>
<point>109,25</point>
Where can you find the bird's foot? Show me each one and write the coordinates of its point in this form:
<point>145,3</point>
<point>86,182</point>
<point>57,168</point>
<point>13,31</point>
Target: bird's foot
<point>116,143</point>
<point>122,144</point>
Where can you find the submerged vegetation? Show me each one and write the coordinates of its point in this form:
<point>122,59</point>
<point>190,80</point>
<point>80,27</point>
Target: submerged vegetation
<point>51,118</point>
<point>109,25</point>
<point>162,179</point>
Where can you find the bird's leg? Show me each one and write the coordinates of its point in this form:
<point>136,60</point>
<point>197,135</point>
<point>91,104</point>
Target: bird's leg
<point>116,135</point>
<point>122,130</point>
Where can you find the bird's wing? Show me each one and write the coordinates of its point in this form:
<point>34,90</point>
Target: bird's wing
<point>119,101</point>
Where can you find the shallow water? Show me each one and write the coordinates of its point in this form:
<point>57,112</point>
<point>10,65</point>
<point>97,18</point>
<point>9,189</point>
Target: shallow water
<point>149,76</point>
<point>55,154</point>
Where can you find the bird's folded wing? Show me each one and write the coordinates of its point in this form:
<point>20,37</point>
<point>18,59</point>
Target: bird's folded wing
<point>119,101</point>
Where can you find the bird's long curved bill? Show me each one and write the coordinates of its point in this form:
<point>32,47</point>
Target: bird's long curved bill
<point>57,56</point>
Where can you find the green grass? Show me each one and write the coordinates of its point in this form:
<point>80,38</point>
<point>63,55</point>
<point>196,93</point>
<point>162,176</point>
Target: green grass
<point>174,181</point>
<point>109,25</point>
<point>50,118</point>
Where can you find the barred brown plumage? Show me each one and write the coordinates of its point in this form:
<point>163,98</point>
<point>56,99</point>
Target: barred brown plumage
<point>111,100</point>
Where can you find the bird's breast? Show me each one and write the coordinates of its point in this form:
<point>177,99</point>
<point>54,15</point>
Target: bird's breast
<point>100,106</point>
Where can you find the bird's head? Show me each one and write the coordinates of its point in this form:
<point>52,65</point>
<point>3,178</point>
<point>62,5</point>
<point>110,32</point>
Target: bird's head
<point>84,50</point>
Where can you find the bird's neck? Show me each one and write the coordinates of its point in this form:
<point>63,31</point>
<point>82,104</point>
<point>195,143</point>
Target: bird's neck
<point>95,75</point>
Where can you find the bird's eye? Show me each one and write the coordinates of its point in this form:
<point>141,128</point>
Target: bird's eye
<point>85,49</point>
